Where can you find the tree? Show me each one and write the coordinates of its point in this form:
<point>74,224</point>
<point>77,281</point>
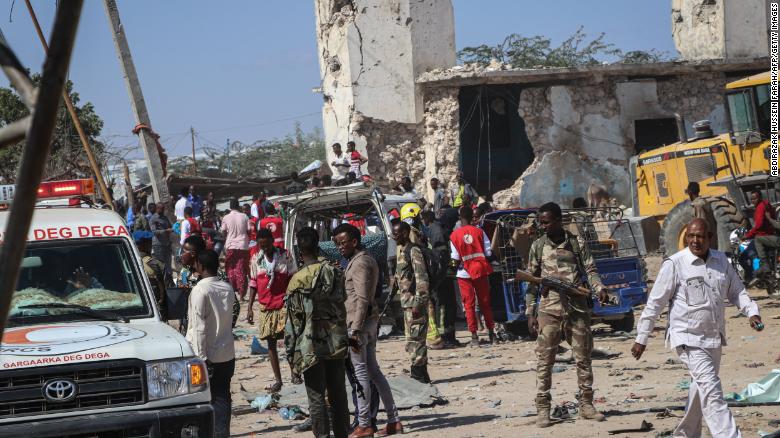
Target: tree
<point>537,52</point>
<point>261,159</point>
<point>68,159</point>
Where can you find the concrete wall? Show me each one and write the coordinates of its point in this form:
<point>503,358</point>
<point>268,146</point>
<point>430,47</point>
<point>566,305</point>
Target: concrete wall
<point>747,28</point>
<point>720,29</point>
<point>583,131</point>
<point>371,51</point>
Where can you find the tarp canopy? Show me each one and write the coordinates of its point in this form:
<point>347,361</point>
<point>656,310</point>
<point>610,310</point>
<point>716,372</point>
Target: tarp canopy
<point>224,188</point>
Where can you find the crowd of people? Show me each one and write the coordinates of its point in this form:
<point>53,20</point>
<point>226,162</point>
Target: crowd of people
<point>327,312</point>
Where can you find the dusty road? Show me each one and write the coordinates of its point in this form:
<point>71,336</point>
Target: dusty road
<point>490,389</point>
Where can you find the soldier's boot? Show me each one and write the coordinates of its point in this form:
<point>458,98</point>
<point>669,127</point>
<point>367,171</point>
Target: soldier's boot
<point>543,412</point>
<point>492,337</point>
<point>420,373</point>
<point>587,410</point>
<point>451,341</point>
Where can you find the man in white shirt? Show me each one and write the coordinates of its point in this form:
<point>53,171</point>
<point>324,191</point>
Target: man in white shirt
<point>181,204</point>
<point>210,333</point>
<point>696,282</point>
<point>340,163</point>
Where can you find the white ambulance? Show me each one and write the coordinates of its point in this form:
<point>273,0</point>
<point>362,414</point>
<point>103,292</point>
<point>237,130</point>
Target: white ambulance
<point>85,352</point>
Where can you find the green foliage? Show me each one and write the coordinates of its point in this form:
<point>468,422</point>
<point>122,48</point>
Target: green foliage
<point>68,159</point>
<point>537,52</point>
<point>262,159</point>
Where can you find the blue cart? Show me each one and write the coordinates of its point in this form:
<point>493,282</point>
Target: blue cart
<point>612,245</point>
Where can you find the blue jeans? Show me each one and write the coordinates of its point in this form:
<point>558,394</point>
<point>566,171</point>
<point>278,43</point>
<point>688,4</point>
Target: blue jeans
<point>746,260</point>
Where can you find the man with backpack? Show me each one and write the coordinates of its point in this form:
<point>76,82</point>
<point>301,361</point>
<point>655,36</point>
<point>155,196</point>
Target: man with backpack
<point>411,275</point>
<point>470,248</point>
<point>316,336</point>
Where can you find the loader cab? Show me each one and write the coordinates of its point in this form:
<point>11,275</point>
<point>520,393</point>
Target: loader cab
<point>749,109</point>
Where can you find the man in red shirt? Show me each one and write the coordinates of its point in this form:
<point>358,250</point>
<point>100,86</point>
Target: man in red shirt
<point>274,223</point>
<point>470,246</point>
<point>761,227</point>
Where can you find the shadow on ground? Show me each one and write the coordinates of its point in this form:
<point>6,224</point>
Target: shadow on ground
<point>479,375</point>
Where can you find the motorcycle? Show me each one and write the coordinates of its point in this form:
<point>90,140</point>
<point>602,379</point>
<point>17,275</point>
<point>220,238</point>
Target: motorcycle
<point>771,281</point>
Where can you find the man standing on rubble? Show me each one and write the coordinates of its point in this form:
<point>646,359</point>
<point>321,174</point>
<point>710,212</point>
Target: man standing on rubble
<point>411,274</point>
<point>561,255</point>
<point>696,282</point>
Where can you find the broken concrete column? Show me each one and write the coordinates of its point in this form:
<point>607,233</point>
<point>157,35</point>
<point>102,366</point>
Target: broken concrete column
<point>441,139</point>
<point>371,51</point>
<point>720,29</point>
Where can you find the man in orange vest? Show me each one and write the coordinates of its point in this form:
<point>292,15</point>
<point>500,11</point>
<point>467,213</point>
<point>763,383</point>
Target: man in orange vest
<point>275,224</point>
<point>470,248</point>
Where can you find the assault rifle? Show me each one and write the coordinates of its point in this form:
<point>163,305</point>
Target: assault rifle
<point>351,374</point>
<point>554,283</point>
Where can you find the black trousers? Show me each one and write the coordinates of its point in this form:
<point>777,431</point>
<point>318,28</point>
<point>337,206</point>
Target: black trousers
<point>221,375</point>
<point>327,375</point>
<point>446,306</point>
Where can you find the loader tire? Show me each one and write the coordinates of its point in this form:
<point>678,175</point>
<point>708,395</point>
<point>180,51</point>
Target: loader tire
<point>672,237</point>
<point>727,217</point>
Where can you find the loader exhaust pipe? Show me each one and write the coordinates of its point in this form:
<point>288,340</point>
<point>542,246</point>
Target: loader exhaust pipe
<point>681,134</point>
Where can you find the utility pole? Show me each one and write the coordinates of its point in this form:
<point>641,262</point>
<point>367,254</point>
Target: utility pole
<point>194,162</point>
<point>227,152</point>
<point>148,142</point>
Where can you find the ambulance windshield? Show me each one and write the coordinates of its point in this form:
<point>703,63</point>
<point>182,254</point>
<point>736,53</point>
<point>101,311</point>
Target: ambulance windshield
<point>99,275</point>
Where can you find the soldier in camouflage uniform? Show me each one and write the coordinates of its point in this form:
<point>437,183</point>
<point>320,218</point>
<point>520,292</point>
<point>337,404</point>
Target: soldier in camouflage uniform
<point>316,335</point>
<point>559,315</point>
<point>411,275</point>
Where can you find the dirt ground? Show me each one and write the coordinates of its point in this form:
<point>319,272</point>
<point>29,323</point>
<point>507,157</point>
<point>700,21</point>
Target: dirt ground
<point>490,390</point>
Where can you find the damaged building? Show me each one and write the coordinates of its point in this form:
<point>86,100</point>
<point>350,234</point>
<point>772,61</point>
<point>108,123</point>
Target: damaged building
<point>522,136</point>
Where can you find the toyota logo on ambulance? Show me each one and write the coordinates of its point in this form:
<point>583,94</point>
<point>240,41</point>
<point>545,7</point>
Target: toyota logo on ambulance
<point>60,390</point>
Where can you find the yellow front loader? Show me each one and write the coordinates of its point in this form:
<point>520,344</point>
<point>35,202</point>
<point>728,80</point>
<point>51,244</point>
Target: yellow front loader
<point>726,167</point>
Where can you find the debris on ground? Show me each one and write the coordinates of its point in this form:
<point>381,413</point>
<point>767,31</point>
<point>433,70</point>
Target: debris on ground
<point>241,334</point>
<point>256,348</point>
<point>385,331</point>
<point>673,361</point>
<point>684,384</point>
<point>645,427</point>
<point>263,402</point>
<point>564,410</point>
<point>291,413</point>
<point>754,365</point>
<point>766,390</point>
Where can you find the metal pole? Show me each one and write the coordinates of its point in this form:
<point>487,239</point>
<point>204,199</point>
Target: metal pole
<point>36,151</point>
<point>148,143</point>
<point>76,122</point>
<point>194,161</point>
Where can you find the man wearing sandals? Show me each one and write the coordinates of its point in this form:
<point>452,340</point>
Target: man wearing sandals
<point>270,271</point>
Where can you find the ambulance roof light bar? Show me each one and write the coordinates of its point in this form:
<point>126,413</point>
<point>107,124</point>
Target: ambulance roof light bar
<point>53,189</point>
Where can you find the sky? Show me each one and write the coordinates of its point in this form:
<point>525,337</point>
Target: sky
<point>244,70</point>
